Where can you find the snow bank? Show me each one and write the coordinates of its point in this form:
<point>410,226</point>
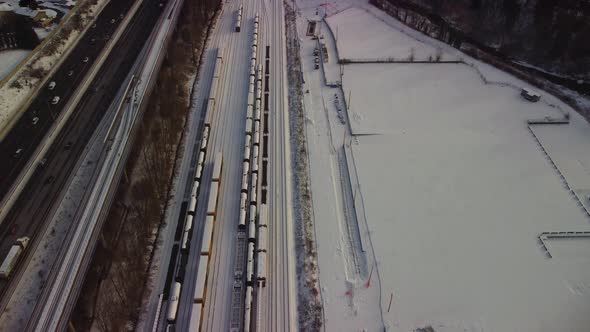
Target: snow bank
<point>9,60</point>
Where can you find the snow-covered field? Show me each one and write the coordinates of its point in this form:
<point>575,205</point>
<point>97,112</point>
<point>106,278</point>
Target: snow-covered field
<point>456,192</point>
<point>361,35</point>
<point>450,188</point>
<point>9,59</point>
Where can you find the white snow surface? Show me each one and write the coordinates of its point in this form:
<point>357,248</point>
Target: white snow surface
<point>9,59</point>
<point>451,190</point>
<point>456,192</point>
<point>361,35</point>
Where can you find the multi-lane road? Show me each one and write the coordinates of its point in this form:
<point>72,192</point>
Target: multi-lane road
<point>228,122</point>
<point>37,200</point>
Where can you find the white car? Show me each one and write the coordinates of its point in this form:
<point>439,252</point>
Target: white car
<point>35,120</point>
<point>55,100</point>
<point>51,85</point>
<point>85,59</point>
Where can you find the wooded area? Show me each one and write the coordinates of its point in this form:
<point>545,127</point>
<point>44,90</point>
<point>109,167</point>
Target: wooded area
<point>553,35</point>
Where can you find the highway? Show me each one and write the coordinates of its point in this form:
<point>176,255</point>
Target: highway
<point>228,121</point>
<point>37,201</point>
<point>25,135</point>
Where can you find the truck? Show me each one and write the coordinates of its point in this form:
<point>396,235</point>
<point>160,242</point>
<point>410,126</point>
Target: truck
<point>13,256</point>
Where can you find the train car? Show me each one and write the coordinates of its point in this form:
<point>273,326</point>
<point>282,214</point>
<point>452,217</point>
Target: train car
<point>252,230</point>
<point>263,215</point>
<point>248,309</point>
<point>194,324</point>
<point>217,167</point>
<point>245,183</point>
<point>185,241</point>
<point>255,159</point>
<point>218,62</point>
<point>198,172</point>
<point>238,26</point>
<point>204,142</point>
<point>257,109</point>
<point>214,85</point>
<point>261,268</point>
<point>188,225</point>
<point>173,302</point>
<point>253,191</point>
<point>192,208</point>
<point>210,106</point>
<point>251,96</point>
<point>248,126</point>
<point>242,221</point>
<point>248,141</point>
<point>262,237</point>
<point>247,153</point>
<point>195,190</point>
<point>201,159</point>
<point>212,203</point>
<point>249,112</point>
<point>200,165</point>
<point>256,140</point>
<point>207,235</point>
<point>246,167</point>
<point>256,126</point>
<point>201,281</point>
<point>250,265</point>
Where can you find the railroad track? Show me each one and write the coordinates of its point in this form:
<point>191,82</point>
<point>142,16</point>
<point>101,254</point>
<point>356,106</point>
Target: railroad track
<point>281,304</point>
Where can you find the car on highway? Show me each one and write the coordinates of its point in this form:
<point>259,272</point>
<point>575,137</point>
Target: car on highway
<point>70,73</point>
<point>113,21</point>
<point>17,153</point>
<point>43,162</point>
<point>35,120</point>
<point>68,145</point>
<point>50,180</point>
<point>55,100</point>
<point>85,59</point>
<point>51,85</point>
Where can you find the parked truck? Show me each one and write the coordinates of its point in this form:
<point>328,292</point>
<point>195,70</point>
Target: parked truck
<point>13,256</point>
